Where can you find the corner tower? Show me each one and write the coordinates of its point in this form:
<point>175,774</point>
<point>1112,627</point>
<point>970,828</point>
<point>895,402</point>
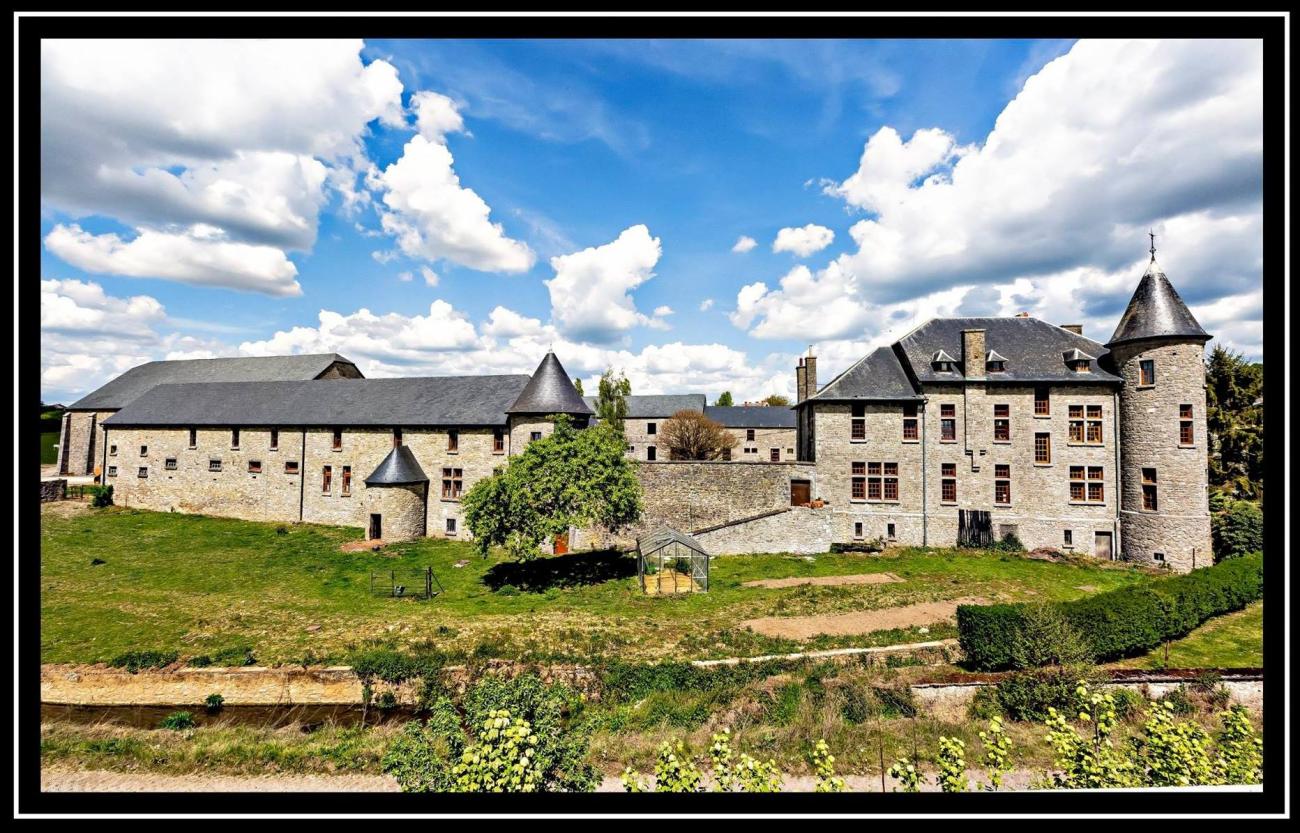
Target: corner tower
<point>1159,349</point>
<point>550,391</point>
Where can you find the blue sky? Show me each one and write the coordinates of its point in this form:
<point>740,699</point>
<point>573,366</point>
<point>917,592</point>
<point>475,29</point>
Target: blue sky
<point>255,198</point>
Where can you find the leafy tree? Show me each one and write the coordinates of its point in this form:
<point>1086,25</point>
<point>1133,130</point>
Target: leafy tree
<point>1089,762</point>
<point>952,765</point>
<point>724,401</point>
<point>611,398</point>
<point>823,763</point>
<point>997,752</point>
<point>577,384</point>
<point>570,478</point>
<point>776,400</point>
<point>1238,529</point>
<point>690,435</point>
<point>1233,386</point>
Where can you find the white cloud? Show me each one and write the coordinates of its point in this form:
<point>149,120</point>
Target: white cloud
<point>590,293</point>
<point>1075,170</point>
<point>200,256</point>
<point>161,134</point>
<point>433,217</point>
<point>803,241</point>
<point>430,276</point>
<point>706,305</point>
<point>663,310</point>
<point>436,115</point>
<point>405,277</point>
<point>744,244</point>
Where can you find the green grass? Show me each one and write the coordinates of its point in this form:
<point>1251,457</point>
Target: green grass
<point>1232,641</point>
<point>198,585</point>
<point>49,452</point>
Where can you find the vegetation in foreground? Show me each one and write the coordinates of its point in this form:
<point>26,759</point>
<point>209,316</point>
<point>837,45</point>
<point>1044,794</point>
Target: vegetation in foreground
<point>119,580</point>
<point>1232,641</point>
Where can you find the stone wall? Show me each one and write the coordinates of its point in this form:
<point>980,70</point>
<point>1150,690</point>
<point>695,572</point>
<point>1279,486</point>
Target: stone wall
<point>796,529</point>
<point>1179,529</point>
<point>52,490</point>
<point>401,510</point>
<point>693,494</point>
<point>84,440</point>
<point>760,448</point>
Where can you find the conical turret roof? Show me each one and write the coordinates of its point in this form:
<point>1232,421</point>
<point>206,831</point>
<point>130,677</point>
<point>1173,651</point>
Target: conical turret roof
<point>1156,311</point>
<point>399,468</point>
<point>550,391</point>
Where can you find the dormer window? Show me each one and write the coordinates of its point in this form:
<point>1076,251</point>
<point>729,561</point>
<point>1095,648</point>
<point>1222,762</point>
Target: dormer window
<point>995,363</point>
<point>1078,361</point>
<point>942,362</point>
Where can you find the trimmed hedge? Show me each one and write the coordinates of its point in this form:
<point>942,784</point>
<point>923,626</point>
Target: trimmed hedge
<point>1122,622</point>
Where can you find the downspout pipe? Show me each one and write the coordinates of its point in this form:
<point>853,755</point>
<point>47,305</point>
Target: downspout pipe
<point>925,470</point>
<point>1117,548</point>
<point>302,476</point>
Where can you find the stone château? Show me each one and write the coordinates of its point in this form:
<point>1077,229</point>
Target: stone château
<point>965,430</point>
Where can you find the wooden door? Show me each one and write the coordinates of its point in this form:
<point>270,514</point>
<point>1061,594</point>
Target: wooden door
<point>800,492</point>
<point>562,543</point>
<point>1102,548</point>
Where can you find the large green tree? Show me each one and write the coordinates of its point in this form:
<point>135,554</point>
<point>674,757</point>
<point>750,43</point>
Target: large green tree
<point>776,400</point>
<point>572,478</point>
<point>1234,391</point>
<point>611,398</point>
<point>724,401</point>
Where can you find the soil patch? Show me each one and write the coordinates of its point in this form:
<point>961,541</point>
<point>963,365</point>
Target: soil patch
<point>66,508</point>
<point>358,546</point>
<point>103,781</point>
<point>796,581</point>
<point>858,622</point>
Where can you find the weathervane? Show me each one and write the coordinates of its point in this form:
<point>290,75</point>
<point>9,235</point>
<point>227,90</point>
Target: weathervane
<point>1152,234</point>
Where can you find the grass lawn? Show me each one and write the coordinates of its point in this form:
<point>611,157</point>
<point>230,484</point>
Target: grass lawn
<point>197,584</point>
<point>1235,640</point>
<point>49,453</point>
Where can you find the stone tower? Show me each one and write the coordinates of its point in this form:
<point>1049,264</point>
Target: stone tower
<point>1159,350</point>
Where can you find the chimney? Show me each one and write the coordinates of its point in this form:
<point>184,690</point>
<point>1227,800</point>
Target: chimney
<point>800,388</point>
<point>1077,329</point>
<point>973,353</point>
<point>810,373</point>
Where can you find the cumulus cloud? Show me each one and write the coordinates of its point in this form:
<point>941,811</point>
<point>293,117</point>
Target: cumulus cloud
<point>89,336</point>
<point>1076,169</point>
<point>165,134</point>
<point>744,244</point>
<point>803,241</point>
<point>591,292</point>
<point>200,255</point>
<point>706,305</point>
<point>430,277</point>
<point>436,115</point>
<point>433,217</point>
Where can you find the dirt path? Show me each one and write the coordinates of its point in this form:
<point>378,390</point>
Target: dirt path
<point>857,622</point>
<point>104,781</point>
<point>796,581</point>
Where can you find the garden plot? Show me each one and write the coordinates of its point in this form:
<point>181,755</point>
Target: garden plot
<point>859,622</point>
<point>831,581</point>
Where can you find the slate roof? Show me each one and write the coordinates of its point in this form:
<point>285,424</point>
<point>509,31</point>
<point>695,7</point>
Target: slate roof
<point>1034,350</point>
<point>410,401</point>
<point>876,376</point>
<point>399,468</point>
<point>1156,311</point>
<point>131,384</point>
<point>751,416</point>
<point>644,407</point>
<point>550,391</point>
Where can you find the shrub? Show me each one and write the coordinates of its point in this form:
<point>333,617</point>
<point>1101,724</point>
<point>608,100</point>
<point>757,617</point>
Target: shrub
<point>1031,695</point>
<point>214,703</point>
<point>1238,530</point>
<point>1174,754</point>
<point>823,763</point>
<point>744,774</point>
<point>178,721</point>
<point>1122,622</point>
<point>135,661</point>
<point>1240,754</point>
<point>908,774</point>
<point>952,765</point>
<point>502,761</point>
<point>1009,543</point>
<point>507,590</point>
<point>1178,701</point>
<point>236,655</point>
<point>997,753</point>
<point>675,772</point>
<point>1128,703</point>
<point>1046,637</point>
<point>101,496</point>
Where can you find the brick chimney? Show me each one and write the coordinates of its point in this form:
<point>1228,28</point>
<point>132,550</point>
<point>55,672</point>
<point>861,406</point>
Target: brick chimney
<point>1077,329</point>
<point>809,374</point>
<point>800,384</point>
<point>973,353</point>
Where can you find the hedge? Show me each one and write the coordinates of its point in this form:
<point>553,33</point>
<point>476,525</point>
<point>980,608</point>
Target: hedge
<point>1123,622</point>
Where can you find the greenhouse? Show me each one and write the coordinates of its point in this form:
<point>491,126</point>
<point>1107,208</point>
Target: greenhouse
<point>669,561</point>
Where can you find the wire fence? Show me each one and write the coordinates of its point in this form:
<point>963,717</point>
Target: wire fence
<point>417,583</point>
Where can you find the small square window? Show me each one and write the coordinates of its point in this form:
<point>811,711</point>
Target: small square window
<point>890,532</point>
<point>535,435</point>
<point>214,465</point>
<point>1069,537</point>
<point>1158,556</point>
<point>254,466</point>
<point>144,471</point>
<point>857,529</point>
<point>651,428</point>
<point>749,435</point>
<point>290,466</point>
<point>112,471</point>
<point>451,526</point>
<point>170,464</point>
<point>499,441</point>
<point>112,449</point>
<point>144,451</point>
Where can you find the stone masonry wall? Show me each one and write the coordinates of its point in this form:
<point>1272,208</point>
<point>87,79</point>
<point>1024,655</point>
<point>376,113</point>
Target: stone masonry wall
<point>401,510</point>
<point>760,448</point>
<point>1179,529</point>
<point>796,530</point>
<point>52,490</point>
<point>692,494</point>
<point>85,441</point>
